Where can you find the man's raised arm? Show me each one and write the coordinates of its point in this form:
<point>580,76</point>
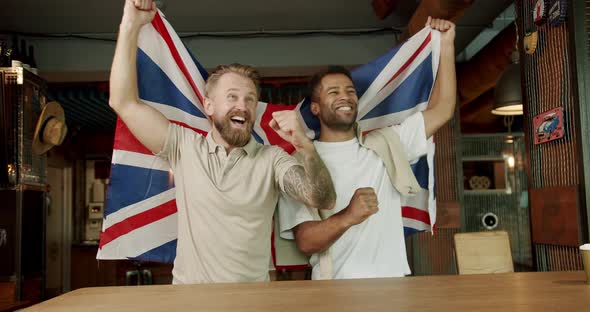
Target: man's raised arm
<point>147,124</point>
<point>309,183</point>
<point>444,94</point>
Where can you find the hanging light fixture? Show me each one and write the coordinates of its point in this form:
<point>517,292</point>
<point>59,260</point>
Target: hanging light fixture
<point>507,94</point>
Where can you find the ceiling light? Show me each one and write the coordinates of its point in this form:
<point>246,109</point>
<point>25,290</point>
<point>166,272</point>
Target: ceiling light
<point>507,94</point>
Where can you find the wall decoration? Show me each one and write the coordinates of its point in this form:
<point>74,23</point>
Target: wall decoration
<point>485,174</point>
<point>480,183</point>
<point>557,12</point>
<point>540,12</point>
<point>531,40</point>
<point>548,126</point>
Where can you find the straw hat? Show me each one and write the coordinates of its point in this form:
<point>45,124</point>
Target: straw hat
<point>51,128</point>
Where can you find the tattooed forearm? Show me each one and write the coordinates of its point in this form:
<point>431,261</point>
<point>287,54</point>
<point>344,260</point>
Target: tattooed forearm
<point>311,183</point>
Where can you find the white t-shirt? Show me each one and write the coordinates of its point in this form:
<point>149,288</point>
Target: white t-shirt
<point>376,247</point>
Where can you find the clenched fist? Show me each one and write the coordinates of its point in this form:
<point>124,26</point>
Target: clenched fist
<point>363,204</point>
<point>139,12</point>
<point>287,125</point>
<point>447,28</point>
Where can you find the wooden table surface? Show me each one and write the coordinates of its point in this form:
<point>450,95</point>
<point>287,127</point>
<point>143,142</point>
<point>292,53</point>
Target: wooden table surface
<point>539,292</point>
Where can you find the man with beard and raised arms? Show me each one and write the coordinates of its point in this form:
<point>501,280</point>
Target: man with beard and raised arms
<point>227,185</point>
<point>364,236</point>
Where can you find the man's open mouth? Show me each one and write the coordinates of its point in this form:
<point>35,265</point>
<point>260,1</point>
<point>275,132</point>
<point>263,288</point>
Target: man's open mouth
<point>238,121</point>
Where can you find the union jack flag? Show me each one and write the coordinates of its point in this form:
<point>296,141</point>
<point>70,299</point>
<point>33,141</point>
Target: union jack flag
<point>140,219</point>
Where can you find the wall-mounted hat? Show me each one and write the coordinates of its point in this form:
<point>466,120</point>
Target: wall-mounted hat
<point>531,40</point>
<point>51,128</point>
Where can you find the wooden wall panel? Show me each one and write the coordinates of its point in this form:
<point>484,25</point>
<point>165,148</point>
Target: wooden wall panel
<point>554,221</point>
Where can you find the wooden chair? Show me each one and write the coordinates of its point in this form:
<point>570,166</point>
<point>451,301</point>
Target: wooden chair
<point>483,252</point>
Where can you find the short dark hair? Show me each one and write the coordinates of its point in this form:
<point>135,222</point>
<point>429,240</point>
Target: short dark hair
<point>316,80</point>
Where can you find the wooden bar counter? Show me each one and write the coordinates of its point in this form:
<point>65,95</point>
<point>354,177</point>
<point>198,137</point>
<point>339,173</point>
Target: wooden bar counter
<point>535,291</point>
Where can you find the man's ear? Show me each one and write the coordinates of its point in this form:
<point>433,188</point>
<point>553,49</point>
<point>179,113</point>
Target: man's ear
<point>315,108</point>
<point>209,106</point>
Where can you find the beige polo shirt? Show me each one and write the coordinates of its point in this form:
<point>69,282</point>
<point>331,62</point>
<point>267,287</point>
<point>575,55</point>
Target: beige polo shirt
<point>225,206</point>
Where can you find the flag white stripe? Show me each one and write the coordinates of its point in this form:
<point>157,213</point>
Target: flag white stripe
<point>431,195</point>
<point>368,104</point>
<point>416,224</point>
<point>402,56</point>
<point>418,201</point>
<point>137,208</point>
<point>152,44</point>
<point>390,119</point>
<point>191,66</point>
<point>177,114</point>
<point>141,240</point>
<point>122,157</point>
<point>260,109</point>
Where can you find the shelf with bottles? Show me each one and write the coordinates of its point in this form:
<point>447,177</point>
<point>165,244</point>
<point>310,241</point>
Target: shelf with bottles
<point>23,94</point>
<point>15,56</point>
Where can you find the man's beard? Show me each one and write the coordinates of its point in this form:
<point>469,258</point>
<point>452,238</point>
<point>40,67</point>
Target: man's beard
<point>332,120</point>
<point>232,136</point>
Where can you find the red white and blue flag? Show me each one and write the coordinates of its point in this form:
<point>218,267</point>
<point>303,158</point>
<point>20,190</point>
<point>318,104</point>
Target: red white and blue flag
<point>140,219</point>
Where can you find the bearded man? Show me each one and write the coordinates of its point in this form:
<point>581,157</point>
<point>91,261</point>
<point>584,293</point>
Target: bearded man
<point>227,184</point>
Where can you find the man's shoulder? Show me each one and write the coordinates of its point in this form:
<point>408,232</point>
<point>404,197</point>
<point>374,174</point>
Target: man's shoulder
<point>268,151</point>
<point>381,136</point>
<point>186,131</point>
<point>383,142</point>
<point>263,148</point>
<point>186,137</point>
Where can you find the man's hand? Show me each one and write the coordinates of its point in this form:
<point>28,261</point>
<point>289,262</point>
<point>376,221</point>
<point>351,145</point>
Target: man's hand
<point>447,28</point>
<point>138,12</point>
<point>286,123</point>
<point>363,204</point>
<point>317,236</point>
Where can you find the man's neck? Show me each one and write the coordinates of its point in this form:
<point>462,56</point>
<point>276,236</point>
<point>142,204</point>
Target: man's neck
<point>216,136</point>
<point>331,135</point>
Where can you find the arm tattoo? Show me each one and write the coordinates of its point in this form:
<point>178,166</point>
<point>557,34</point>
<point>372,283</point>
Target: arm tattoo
<point>311,183</point>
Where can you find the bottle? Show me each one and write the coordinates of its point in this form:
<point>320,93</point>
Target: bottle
<point>2,54</point>
<point>7,55</point>
<point>32,60</point>
<point>23,52</point>
<point>16,59</point>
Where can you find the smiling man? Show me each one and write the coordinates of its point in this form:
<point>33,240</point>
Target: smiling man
<point>227,184</point>
<point>365,236</point>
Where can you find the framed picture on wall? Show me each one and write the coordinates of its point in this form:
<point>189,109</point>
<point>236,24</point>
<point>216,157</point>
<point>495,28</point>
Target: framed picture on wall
<point>548,126</point>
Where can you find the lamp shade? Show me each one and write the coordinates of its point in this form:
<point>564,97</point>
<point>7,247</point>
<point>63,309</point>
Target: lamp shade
<point>507,94</point>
